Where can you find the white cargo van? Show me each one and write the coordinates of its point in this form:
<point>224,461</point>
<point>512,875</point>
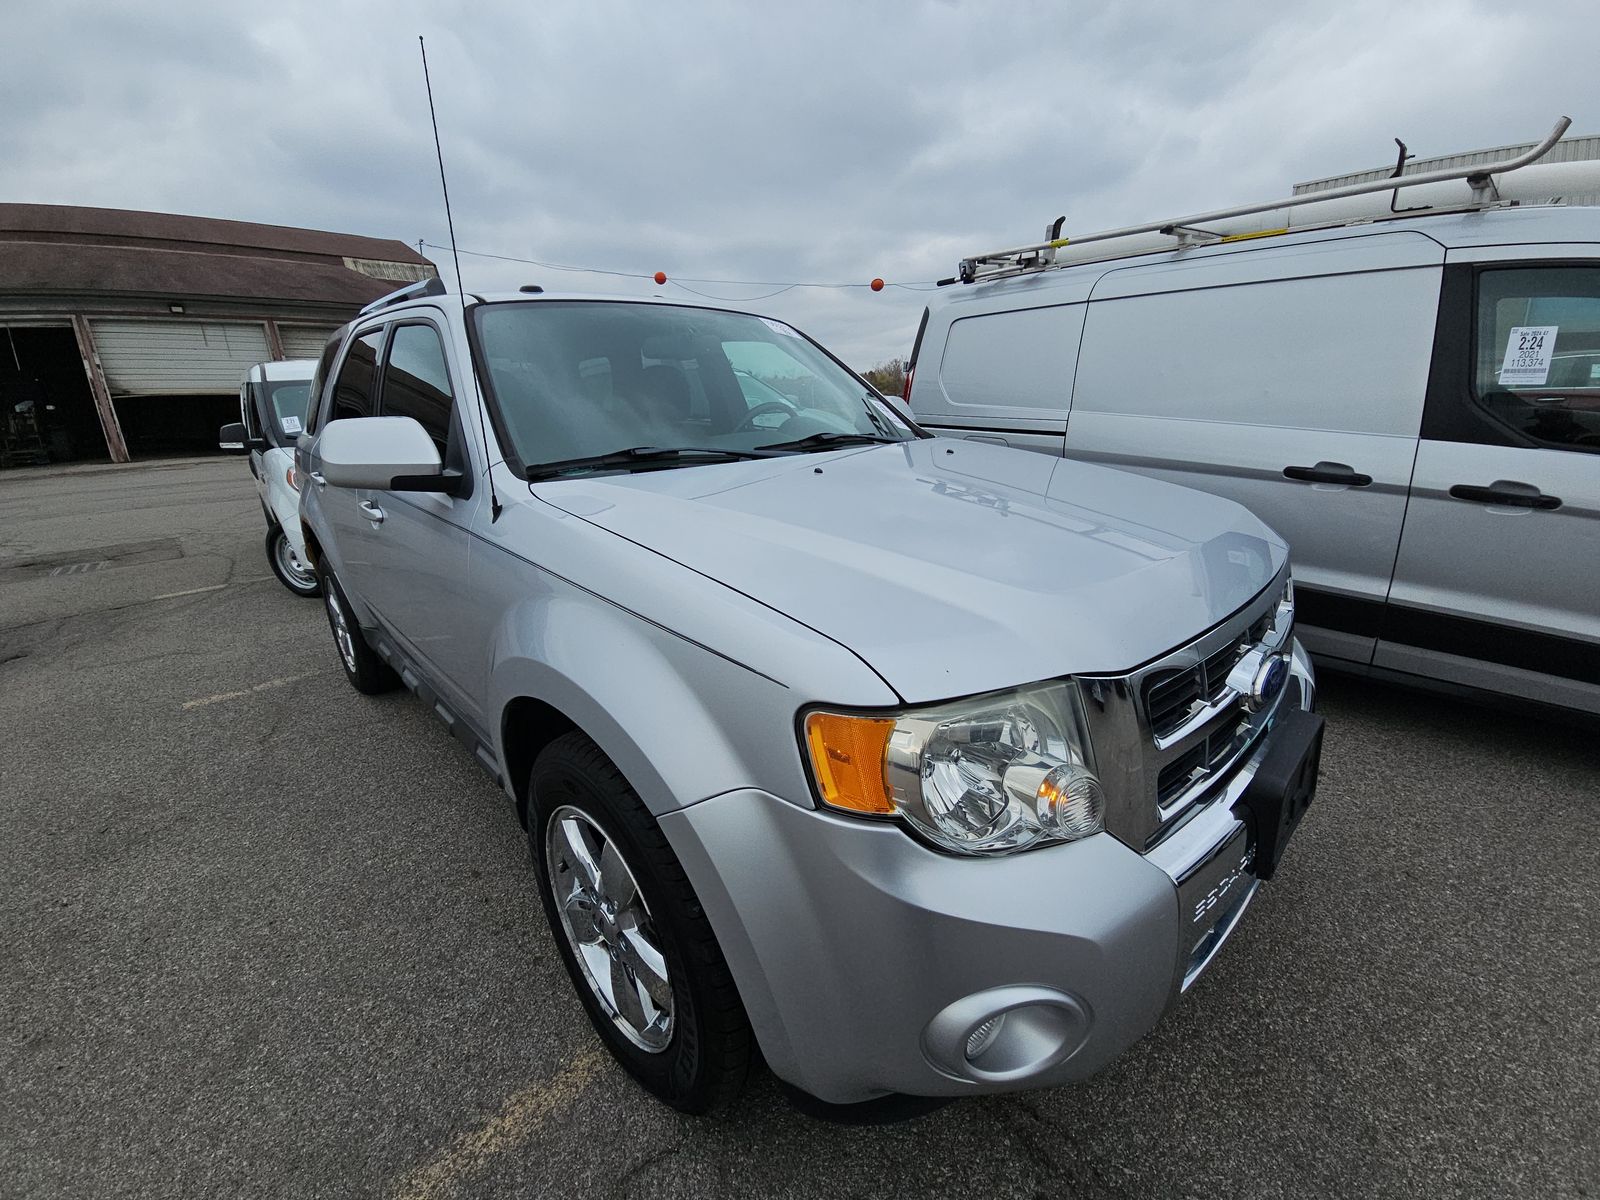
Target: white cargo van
<point>1412,399</point>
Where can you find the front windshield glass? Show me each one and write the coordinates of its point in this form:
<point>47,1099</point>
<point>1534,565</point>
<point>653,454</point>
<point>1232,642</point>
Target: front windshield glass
<point>574,379</point>
<point>289,400</point>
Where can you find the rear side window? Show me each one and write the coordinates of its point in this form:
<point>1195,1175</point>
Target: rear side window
<point>416,381</point>
<point>352,390</point>
<point>1537,354</point>
<point>1018,361</point>
<point>320,378</point>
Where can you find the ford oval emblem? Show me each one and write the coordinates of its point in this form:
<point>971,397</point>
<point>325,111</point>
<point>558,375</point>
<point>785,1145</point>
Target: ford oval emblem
<point>1268,682</point>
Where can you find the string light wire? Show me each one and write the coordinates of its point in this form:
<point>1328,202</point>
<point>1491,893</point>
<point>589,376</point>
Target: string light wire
<point>780,285</point>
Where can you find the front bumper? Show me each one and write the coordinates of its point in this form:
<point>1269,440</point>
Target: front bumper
<point>867,961</point>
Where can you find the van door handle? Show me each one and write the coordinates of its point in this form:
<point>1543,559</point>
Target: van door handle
<point>1328,472</point>
<point>316,478</point>
<point>1510,492</point>
<point>371,512</point>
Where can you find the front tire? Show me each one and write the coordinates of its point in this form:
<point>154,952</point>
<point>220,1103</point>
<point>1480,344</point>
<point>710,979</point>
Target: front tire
<point>631,932</point>
<point>366,672</point>
<point>299,577</point>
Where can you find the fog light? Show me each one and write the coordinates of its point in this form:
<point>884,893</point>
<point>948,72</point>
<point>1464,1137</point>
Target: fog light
<point>1006,1034</point>
<point>984,1035</point>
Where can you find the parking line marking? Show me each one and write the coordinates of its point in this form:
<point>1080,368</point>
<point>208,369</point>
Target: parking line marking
<point>249,691</point>
<point>215,587</point>
<point>516,1121</point>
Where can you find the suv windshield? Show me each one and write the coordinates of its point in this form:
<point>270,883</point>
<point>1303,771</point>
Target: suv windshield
<point>582,379</point>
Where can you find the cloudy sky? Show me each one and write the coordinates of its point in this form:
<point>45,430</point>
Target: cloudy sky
<point>824,143</point>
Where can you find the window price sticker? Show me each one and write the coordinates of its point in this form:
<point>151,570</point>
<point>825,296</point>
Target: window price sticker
<point>778,327</point>
<point>1527,361</point>
<point>291,424</point>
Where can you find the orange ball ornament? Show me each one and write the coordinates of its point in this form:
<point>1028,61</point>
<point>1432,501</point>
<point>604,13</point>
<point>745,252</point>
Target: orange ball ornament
<point>661,276</point>
<point>877,285</point>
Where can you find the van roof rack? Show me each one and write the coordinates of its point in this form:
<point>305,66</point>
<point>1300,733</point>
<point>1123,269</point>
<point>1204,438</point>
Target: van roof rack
<point>432,286</point>
<point>1192,231</point>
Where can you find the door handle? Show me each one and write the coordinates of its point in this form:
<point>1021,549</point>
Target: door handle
<point>316,478</point>
<point>1510,492</point>
<point>371,512</point>
<point>1328,472</point>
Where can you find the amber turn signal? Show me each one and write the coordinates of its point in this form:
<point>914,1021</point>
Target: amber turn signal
<point>847,756</point>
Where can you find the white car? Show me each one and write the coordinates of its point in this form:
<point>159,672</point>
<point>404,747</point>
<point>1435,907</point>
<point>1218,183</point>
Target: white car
<point>272,410</point>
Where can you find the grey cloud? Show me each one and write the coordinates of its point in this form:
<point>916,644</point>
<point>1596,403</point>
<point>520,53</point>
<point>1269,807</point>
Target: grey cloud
<point>832,142</point>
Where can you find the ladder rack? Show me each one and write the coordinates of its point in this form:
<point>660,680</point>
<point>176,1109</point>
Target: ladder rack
<point>1192,231</point>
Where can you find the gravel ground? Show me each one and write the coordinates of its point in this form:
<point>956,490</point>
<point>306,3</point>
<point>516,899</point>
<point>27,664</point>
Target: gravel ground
<point>264,936</point>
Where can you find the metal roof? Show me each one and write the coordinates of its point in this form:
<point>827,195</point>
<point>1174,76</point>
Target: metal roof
<point>1572,149</point>
<point>52,250</point>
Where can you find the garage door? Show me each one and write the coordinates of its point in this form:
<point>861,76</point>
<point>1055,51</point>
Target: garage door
<point>304,341</point>
<point>174,358</point>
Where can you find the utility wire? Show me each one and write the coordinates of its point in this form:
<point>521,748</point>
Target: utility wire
<point>780,285</point>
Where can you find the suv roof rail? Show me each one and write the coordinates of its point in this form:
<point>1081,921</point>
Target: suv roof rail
<point>1041,255</point>
<point>432,286</point>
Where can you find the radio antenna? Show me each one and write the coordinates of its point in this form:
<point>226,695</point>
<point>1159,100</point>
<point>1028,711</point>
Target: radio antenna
<point>450,224</point>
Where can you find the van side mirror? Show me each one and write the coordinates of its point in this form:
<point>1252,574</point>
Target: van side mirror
<point>386,454</point>
<point>236,439</point>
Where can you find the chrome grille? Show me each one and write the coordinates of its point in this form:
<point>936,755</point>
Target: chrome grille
<point>1168,734</point>
<point>1170,697</point>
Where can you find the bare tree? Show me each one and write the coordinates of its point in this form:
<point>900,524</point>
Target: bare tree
<point>888,377</point>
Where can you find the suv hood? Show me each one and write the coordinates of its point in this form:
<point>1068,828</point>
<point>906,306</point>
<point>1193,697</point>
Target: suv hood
<point>951,567</point>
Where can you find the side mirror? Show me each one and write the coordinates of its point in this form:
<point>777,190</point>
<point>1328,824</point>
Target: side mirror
<point>387,454</point>
<point>233,438</point>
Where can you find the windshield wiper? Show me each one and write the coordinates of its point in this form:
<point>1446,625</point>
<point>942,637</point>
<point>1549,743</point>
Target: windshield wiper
<point>828,439</point>
<point>640,456</point>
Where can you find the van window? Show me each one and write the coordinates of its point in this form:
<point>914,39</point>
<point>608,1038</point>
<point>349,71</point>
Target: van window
<point>1538,354</point>
<point>352,390</point>
<point>416,382</point>
<point>1013,360</point>
<point>1346,353</point>
<point>288,400</point>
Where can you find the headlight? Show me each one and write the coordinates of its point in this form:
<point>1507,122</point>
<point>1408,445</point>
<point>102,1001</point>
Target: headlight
<point>991,775</point>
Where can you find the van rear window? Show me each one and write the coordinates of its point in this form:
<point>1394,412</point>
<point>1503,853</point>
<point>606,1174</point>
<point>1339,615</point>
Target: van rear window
<point>1022,361</point>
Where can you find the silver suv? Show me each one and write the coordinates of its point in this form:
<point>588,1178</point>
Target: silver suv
<point>925,766</point>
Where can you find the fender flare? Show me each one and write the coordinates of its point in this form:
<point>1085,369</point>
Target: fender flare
<point>635,700</point>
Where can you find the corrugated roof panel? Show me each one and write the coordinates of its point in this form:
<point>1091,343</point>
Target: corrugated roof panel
<point>1572,149</point>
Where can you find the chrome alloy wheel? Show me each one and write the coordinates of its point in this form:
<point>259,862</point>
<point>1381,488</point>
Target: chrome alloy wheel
<point>607,923</point>
<point>342,634</point>
<point>300,576</point>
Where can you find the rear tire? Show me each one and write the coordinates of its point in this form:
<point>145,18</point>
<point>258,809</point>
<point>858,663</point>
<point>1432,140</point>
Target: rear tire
<point>635,941</point>
<point>366,672</point>
<point>295,575</point>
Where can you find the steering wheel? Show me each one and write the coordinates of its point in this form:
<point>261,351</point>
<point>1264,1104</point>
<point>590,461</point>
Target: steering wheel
<point>769,406</point>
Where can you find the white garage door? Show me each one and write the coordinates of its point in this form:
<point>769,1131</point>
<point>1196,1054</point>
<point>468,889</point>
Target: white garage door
<point>304,341</point>
<point>174,358</point>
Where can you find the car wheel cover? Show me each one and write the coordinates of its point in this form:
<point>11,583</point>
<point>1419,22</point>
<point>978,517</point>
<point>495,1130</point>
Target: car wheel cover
<point>342,636</point>
<point>301,577</point>
<point>607,923</point>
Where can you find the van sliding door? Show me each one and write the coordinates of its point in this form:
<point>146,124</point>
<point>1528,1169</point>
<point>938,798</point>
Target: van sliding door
<point>1289,379</point>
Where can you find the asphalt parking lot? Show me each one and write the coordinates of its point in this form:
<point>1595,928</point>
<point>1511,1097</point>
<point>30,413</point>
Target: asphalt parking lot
<point>264,936</point>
